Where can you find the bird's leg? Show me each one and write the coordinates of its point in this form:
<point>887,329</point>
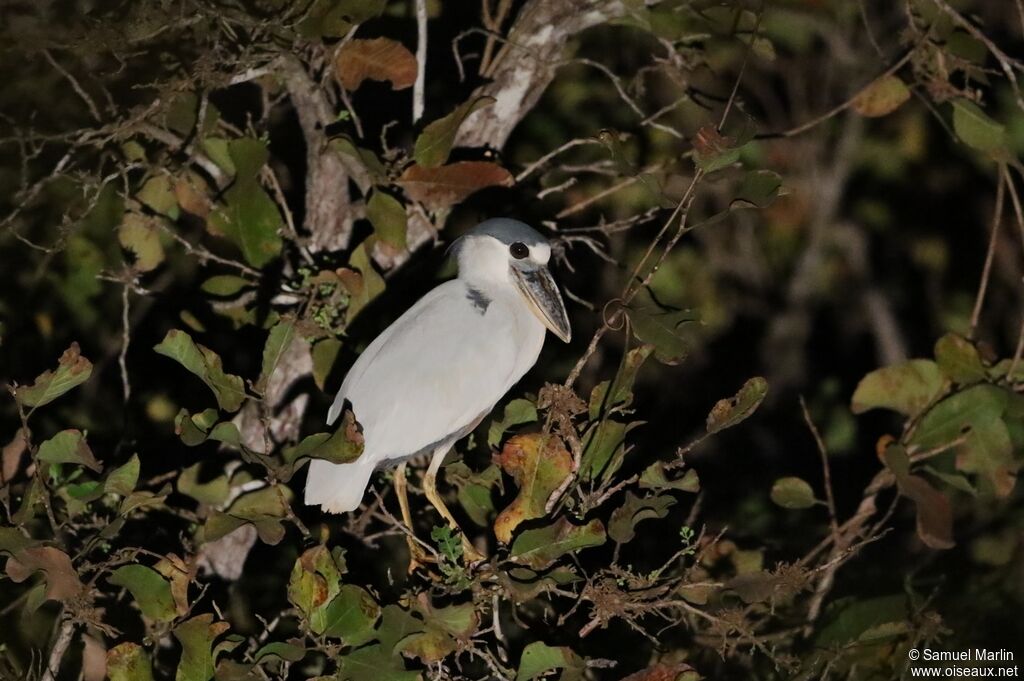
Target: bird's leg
<point>469,551</point>
<point>417,556</point>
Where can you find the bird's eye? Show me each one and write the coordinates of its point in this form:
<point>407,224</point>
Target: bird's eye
<point>519,250</point>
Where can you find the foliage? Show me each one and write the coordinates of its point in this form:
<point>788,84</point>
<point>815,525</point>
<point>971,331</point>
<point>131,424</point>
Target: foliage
<point>784,442</point>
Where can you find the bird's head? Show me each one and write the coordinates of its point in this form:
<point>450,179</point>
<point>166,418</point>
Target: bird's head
<point>502,254</point>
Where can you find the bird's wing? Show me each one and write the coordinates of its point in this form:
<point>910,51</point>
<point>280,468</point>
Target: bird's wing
<point>434,371</point>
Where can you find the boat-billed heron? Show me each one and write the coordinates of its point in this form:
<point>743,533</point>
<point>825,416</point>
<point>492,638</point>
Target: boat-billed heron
<point>440,368</point>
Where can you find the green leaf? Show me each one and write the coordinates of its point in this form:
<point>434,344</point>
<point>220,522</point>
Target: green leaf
<point>68,446</point>
<point>324,352</point>
<point>623,521</point>
<point>149,589</point>
<point>618,392</point>
<point>374,663</point>
<point>792,493</point>
<point>540,547</point>
<point>122,480</point>
<point>206,364</point>
<point>659,326</point>
<point>212,493</point>
<point>389,219</point>
<point>224,285</point>
<point>351,616</point>
<point>251,221</point>
<point>536,475</point>
<point>129,662</point>
<point>604,447</point>
<point>342,446</point>
<point>881,98</point>
<point>516,412</point>
<point>849,619</point>
<point>460,621</point>
<point>218,150</point>
<point>370,284</point>
<point>959,359</point>
<point>72,370</point>
<point>196,637</point>
<point>434,144</point>
<point>908,388</point>
<point>728,412</point>
<point>278,341</point>
<point>474,490</point>
<point>976,415</point>
<point>138,235</point>
<point>289,652</point>
<point>759,189</point>
<point>538,658</point>
<point>975,128</point>
<point>654,477</point>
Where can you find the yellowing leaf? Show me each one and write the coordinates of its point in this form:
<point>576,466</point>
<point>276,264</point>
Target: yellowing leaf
<point>72,370</point>
<point>882,97</point>
<point>129,662</point>
<point>536,475</point>
<point>959,359</point>
<point>792,493</point>
<point>907,388</point>
<point>728,412</point>
<point>434,144</point>
<point>377,59</point>
<point>138,235</point>
<point>447,185</point>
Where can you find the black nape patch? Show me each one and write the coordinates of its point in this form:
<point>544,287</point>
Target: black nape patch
<point>480,301</point>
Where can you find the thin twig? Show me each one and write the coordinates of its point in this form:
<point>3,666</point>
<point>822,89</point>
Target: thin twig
<point>1006,63</point>
<point>126,331</point>
<point>836,110</point>
<point>986,271</point>
<point>75,86</point>
<point>826,468</point>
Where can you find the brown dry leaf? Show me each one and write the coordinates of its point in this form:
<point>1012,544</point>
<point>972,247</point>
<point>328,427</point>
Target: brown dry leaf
<point>10,460</point>
<point>62,581</point>
<point>193,194</point>
<point>449,184</point>
<point>179,573</point>
<point>376,59</point>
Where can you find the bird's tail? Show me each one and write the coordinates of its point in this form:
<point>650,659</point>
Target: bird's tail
<point>337,487</point>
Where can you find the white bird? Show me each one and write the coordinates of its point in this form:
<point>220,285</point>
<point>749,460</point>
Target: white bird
<point>429,378</point>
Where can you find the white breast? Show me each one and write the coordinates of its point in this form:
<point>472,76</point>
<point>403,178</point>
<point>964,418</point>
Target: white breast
<point>438,369</point>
